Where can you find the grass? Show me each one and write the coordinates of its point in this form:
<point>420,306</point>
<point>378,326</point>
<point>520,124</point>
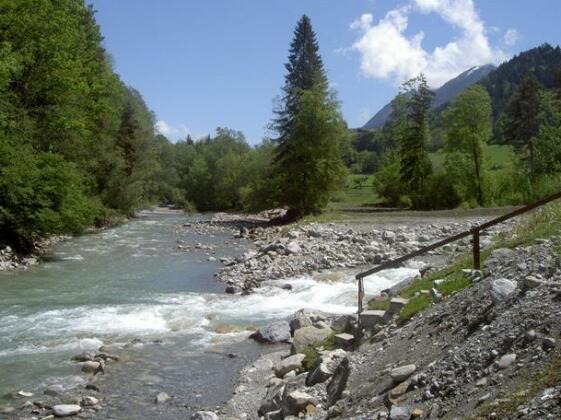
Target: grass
<point>508,404</point>
<point>312,352</point>
<point>498,157</point>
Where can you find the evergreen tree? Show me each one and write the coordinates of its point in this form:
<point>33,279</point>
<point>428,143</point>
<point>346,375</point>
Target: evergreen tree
<point>310,130</point>
<point>523,122</point>
<point>414,136</point>
<point>304,72</point>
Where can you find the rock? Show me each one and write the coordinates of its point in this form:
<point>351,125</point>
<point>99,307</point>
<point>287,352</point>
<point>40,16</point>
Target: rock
<point>501,289</point>
<point>370,319</point>
<point>389,236</point>
<point>506,360</point>
<point>325,367</point>
<point>548,343</point>
<point>296,402</point>
<point>417,413</point>
<point>231,289</point>
<point>84,357</point>
<point>400,390</point>
<point>292,363</point>
<point>344,341</point>
<point>396,304</point>
<point>91,367</point>
<point>307,336</point>
<point>398,412</point>
<point>531,282</point>
<point>88,401</point>
<point>54,390</point>
<point>293,248</point>
<point>338,382</point>
<point>401,373</point>
<point>287,286</point>
<point>24,394</point>
<point>306,318</point>
<point>204,415</point>
<point>273,399</point>
<point>277,332</point>
<point>66,410</point>
<point>161,398</point>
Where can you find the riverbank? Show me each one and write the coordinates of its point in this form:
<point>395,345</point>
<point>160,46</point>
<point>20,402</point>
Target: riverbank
<point>485,347</point>
<point>151,365</point>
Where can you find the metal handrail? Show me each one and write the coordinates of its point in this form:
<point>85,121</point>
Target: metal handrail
<point>476,250</point>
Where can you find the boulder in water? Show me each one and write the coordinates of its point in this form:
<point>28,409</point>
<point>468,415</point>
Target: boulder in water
<point>277,332</point>
<point>66,410</point>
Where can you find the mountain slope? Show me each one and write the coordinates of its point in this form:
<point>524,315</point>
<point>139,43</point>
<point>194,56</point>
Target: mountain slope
<point>443,95</point>
<point>542,62</point>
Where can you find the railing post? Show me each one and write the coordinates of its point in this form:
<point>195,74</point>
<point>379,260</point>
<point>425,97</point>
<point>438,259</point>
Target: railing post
<point>358,321</point>
<point>476,250</point>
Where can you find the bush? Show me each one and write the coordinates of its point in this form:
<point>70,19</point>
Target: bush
<point>387,181</point>
<point>438,193</point>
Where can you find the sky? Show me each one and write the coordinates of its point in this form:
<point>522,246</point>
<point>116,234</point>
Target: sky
<point>203,64</point>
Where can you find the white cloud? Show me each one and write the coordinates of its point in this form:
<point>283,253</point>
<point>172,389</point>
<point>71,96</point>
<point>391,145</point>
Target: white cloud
<point>511,37</point>
<point>173,133</point>
<point>387,52</point>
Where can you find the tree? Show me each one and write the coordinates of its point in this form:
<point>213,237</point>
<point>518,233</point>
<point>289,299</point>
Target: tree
<point>311,167</point>
<point>469,127</point>
<point>547,142</point>
<point>522,122</point>
<point>413,135</point>
<point>308,163</point>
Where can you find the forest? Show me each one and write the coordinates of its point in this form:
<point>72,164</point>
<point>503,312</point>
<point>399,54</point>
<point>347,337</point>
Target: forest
<point>78,146</point>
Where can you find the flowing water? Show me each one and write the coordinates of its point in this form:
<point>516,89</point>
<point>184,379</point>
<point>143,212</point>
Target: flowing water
<point>131,283</point>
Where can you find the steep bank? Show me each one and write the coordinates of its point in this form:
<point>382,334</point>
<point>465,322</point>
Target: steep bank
<point>486,346</point>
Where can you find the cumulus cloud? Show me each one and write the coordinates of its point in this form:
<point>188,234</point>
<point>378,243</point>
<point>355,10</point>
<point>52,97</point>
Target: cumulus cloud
<point>174,133</point>
<point>387,52</point>
<point>511,37</point>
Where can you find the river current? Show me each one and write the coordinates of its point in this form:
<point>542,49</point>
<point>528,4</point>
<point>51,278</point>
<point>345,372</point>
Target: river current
<point>131,284</point>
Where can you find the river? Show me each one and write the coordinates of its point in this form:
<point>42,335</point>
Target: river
<point>131,286</point>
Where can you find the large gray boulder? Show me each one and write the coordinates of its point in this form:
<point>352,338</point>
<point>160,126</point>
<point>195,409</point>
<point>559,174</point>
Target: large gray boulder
<point>308,336</point>
<point>338,382</point>
<point>401,373</point>
<point>501,289</point>
<point>296,402</point>
<point>277,332</point>
<point>325,367</point>
<point>289,364</point>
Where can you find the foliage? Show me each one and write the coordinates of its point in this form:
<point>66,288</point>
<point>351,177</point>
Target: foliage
<point>412,133</point>
<point>387,181</point>
<point>87,139</point>
<point>469,125</point>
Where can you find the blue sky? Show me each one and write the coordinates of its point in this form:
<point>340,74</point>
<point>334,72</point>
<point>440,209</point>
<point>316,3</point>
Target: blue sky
<point>201,64</point>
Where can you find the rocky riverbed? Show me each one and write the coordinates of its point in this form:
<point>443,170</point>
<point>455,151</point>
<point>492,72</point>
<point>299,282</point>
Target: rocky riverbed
<point>489,349</point>
<point>393,369</point>
<point>285,252</point>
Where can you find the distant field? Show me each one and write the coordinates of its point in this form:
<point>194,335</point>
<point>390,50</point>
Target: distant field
<point>497,156</point>
<point>358,193</point>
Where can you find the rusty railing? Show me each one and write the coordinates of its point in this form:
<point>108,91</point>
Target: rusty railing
<point>476,250</point>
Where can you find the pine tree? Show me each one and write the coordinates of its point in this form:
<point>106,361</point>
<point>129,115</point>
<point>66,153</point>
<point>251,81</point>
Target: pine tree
<point>415,165</point>
<point>308,164</point>
<point>523,122</point>
<point>304,72</point>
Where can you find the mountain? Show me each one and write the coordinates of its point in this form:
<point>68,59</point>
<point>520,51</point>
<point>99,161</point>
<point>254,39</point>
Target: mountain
<point>443,95</point>
<point>542,62</point>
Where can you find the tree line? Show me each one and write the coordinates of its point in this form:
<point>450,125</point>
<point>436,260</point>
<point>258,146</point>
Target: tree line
<point>78,147</point>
